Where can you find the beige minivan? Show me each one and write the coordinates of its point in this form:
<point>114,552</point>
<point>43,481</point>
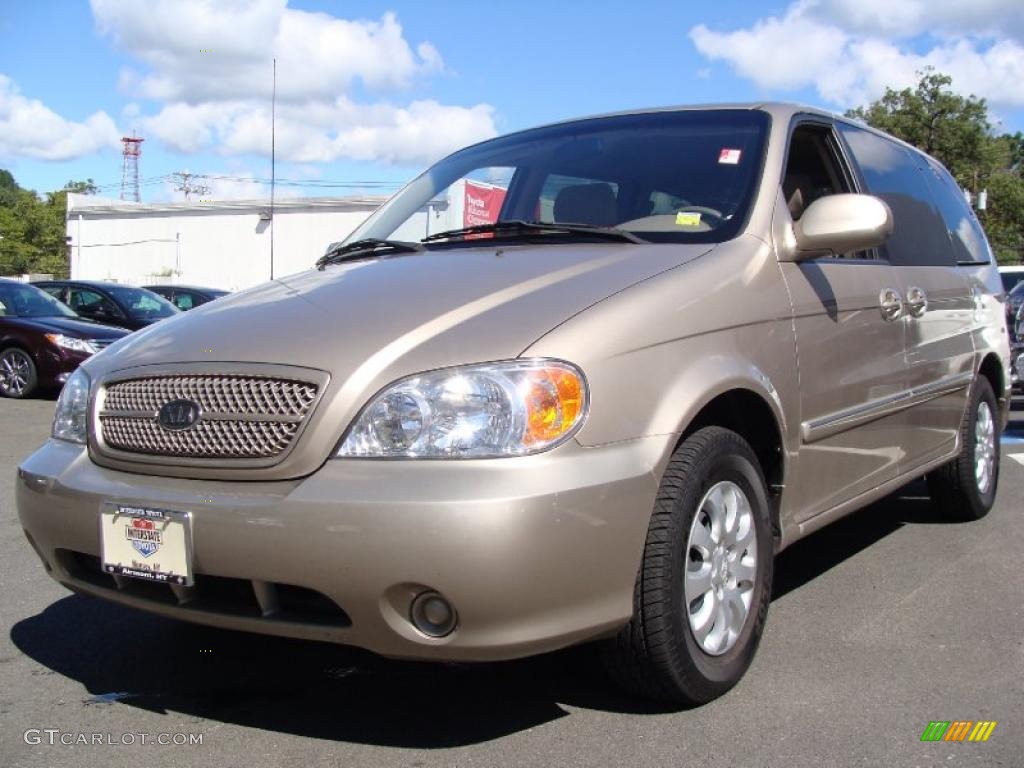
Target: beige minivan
<point>577,383</point>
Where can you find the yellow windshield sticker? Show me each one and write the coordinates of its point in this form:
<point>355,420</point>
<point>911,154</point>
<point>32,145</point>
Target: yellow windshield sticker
<point>686,219</point>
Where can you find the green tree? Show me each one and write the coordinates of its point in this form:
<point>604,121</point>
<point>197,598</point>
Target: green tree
<point>32,229</point>
<point>951,128</point>
<point>87,187</point>
<point>956,131</point>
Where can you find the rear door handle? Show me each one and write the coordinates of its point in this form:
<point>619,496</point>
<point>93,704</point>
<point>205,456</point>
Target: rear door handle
<point>917,301</point>
<point>891,304</point>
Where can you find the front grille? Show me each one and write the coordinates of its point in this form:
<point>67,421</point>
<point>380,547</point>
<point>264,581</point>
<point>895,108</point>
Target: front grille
<point>241,417</point>
<point>101,343</point>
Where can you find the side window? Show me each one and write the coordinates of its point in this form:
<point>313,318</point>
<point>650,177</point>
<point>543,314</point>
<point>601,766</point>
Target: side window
<point>90,302</point>
<point>184,300</point>
<point>965,233</point>
<point>575,200</point>
<point>54,290</point>
<point>813,170</point>
<point>890,172</point>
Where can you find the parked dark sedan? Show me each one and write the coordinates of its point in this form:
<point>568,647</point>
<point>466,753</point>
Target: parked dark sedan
<point>186,297</point>
<point>109,303</point>
<point>42,341</point>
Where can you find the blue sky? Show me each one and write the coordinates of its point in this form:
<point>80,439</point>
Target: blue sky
<point>375,91</point>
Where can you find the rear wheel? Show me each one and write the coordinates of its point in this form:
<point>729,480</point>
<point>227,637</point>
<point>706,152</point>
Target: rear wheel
<point>17,373</point>
<point>702,594</point>
<point>965,489</point>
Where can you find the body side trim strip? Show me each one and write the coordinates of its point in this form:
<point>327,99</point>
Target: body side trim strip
<point>858,415</point>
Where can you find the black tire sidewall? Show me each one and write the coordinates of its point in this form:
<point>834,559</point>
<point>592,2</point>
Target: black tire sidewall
<point>732,461</point>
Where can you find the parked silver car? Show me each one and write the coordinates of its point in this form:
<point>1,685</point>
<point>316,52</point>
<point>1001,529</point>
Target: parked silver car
<point>686,339</point>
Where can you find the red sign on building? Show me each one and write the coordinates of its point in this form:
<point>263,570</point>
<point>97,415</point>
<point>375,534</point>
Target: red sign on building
<point>482,203</point>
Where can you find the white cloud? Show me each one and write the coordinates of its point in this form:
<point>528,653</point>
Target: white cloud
<point>214,81</point>
<point>320,133</point>
<point>28,128</point>
<point>908,18</point>
<point>205,50</point>
<point>850,50</point>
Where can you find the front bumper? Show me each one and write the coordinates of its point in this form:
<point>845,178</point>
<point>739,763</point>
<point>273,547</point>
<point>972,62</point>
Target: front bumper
<point>534,553</point>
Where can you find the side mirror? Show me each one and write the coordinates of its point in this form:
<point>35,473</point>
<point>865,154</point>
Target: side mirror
<point>841,224</point>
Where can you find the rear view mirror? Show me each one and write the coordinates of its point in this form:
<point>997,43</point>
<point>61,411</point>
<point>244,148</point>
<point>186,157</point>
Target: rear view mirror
<point>841,224</point>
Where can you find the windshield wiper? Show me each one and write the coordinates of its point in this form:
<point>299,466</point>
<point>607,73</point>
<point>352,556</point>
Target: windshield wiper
<point>519,227</point>
<point>361,249</point>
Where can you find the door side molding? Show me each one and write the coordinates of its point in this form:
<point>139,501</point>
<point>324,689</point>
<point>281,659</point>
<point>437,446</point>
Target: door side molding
<point>834,423</point>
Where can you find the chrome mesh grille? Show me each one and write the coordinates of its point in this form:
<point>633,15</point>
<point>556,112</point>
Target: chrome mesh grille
<point>243,417</point>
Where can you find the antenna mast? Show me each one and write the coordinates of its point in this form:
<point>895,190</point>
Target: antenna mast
<point>132,148</point>
<point>273,109</point>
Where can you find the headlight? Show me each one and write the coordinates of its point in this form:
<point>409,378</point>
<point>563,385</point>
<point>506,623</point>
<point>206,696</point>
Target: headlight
<point>71,343</point>
<point>476,411</point>
<point>69,420</point>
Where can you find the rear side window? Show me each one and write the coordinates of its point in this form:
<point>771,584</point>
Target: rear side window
<point>184,301</point>
<point>965,233</point>
<point>890,172</point>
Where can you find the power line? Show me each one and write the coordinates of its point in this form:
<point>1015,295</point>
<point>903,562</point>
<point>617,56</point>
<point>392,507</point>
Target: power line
<point>184,183</point>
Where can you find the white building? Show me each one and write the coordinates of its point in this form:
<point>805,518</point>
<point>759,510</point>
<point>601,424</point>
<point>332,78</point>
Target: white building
<point>226,244</point>
<point>215,244</point>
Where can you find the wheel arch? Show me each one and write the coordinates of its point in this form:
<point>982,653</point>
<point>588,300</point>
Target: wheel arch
<point>754,417</point>
<point>992,369</point>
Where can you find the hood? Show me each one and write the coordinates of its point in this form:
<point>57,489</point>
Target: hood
<point>80,328</point>
<point>368,323</point>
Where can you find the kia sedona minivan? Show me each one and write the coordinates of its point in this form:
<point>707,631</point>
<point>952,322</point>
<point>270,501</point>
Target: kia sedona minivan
<point>577,383</point>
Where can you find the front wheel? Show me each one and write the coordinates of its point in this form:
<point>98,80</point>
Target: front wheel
<point>965,489</point>
<point>17,373</point>
<point>701,597</point>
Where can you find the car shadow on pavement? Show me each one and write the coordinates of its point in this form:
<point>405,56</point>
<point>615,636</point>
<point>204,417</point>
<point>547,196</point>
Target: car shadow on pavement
<point>809,558</point>
<point>126,657</point>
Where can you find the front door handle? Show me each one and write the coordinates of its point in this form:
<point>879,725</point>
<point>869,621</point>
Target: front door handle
<point>917,301</point>
<point>891,304</point>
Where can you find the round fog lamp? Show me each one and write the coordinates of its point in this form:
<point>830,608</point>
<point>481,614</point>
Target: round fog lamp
<point>432,615</point>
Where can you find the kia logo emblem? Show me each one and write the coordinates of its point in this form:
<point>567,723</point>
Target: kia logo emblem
<point>178,414</point>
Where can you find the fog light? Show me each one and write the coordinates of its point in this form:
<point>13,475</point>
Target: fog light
<point>432,615</point>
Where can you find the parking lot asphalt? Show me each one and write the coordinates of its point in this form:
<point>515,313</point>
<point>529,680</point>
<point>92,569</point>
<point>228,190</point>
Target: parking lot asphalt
<point>888,620</point>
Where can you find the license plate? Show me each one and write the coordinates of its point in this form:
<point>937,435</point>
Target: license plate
<point>146,543</point>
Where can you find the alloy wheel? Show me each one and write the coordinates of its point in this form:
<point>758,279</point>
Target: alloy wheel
<point>984,446</point>
<point>721,567</point>
<point>15,372</point>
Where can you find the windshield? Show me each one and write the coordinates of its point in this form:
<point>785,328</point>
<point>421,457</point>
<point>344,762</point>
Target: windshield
<point>142,304</point>
<point>28,301</point>
<point>676,176</point>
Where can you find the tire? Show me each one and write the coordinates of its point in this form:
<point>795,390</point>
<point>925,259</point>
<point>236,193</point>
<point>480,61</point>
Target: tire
<point>961,490</point>
<point>659,654</point>
<point>18,377</point>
